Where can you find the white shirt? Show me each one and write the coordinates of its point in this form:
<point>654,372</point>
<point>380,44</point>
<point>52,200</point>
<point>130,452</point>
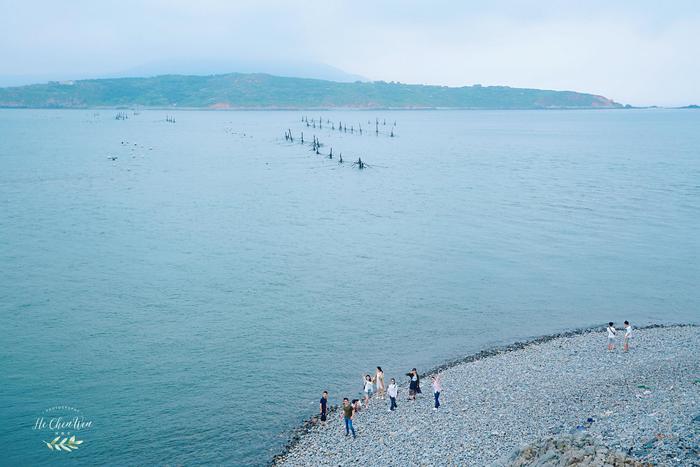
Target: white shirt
<point>393,390</point>
<point>611,332</point>
<point>368,386</point>
<point>628,331</point>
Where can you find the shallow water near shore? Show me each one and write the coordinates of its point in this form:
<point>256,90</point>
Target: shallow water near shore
<point>195,295</point>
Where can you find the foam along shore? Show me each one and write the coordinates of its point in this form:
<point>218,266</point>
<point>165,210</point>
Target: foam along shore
<point>644,405</point>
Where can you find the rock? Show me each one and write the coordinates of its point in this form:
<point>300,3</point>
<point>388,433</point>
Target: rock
<point>580,451</point>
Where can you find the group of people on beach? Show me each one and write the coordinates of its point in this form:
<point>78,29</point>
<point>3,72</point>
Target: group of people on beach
<point>612,335</point>
<point>369,383</point>
<point>372,385</point>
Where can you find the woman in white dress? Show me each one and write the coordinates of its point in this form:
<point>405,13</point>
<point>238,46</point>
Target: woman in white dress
<point>627,337</point>
<point>379,379</point>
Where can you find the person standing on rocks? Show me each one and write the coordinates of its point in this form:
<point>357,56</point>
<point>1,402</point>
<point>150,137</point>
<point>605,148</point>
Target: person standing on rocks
<point>348,415</point>
<point>324,407</point>
<point>393,392</point>
<point>379,379</point>
<point>627,337</point>
<point>368,389</point>
<point>437,387</point>
<point>413,385</point>
<point>611,336</point>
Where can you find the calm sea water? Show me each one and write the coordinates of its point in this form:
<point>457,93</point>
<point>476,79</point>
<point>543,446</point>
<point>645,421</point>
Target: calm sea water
<point>193,297</point>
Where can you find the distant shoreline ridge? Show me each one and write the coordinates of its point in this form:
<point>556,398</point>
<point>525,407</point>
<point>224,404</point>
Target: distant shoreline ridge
<point>314,109</point>
<point>243,91</point>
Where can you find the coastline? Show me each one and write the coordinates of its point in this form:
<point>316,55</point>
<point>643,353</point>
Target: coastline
<point>310,428</point>
<point>140,107</point>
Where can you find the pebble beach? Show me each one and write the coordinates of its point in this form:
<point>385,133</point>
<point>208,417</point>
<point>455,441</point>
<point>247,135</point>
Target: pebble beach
<point>557,400</point>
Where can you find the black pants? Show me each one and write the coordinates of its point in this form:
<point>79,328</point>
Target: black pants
<point>393,403</point>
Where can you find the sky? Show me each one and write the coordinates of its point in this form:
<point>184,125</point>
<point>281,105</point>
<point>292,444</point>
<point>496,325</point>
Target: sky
<point>637,52</point>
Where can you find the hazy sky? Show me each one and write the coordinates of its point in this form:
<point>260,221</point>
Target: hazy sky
<point>638,52</point>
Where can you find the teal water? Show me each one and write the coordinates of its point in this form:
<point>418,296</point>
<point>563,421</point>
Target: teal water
<point>193,297</point>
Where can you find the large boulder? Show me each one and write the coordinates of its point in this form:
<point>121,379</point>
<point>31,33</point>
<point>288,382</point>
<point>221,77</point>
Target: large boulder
<point>570,450</point>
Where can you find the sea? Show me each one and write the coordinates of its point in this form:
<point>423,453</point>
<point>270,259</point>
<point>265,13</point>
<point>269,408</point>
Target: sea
<point>178,287</point>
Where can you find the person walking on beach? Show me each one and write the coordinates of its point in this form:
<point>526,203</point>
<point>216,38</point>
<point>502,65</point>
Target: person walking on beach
<point>627,337</point>
<point>437,387</point>
<point>324,407</point>
<point>393,392</point>
<point>348,415</point>
<point>379,379</point>
<point>368,389</point>
<point>413,385</point>
<point>611,336</point>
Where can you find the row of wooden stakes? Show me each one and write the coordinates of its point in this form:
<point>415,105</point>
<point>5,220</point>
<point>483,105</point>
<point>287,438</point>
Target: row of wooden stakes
<point>316,145</point>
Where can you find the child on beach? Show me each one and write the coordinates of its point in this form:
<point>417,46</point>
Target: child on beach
<point>393,392</point>
<point>437,387</point>
<point>379,379</point>
<point>413,385</point>
<point>627,337</point>
<point>368,389</point>
<point>324,407</point>
<point>611,336</point>
<point>348,415</point>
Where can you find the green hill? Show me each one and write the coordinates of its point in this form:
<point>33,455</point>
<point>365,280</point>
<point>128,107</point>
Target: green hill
<point>243,91</point>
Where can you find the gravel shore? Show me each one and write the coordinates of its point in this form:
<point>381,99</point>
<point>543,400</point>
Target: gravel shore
<point>644,404</point>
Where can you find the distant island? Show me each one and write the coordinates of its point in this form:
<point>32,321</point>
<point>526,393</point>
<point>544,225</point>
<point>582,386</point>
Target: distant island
<point>263,91</point>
